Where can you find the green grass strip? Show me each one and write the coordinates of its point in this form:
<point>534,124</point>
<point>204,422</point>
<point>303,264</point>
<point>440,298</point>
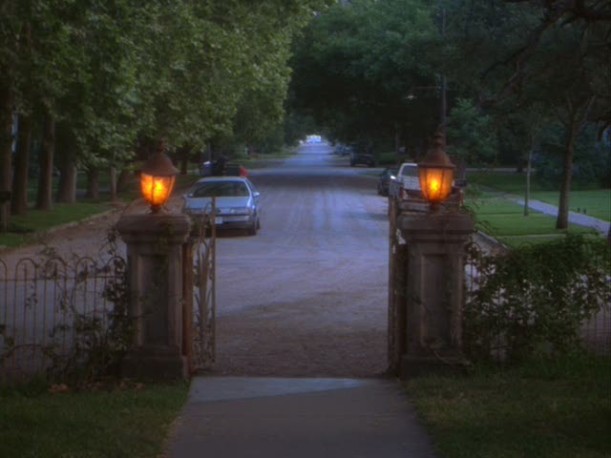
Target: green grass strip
<point>23,228</point>
<point>129,423</point>
<point>548,411</point>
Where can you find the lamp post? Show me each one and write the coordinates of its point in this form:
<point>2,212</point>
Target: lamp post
<point>432,271</point>
<point>157,276</point>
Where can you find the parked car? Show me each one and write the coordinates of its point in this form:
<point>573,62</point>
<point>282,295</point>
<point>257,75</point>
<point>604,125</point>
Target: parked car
<point>406,183</point>
<point>406,186</point>
<point>342,150</point>
<point>362,159</point>
<point>220,167</point>
<point>388,174</point>
<point>236,198</point>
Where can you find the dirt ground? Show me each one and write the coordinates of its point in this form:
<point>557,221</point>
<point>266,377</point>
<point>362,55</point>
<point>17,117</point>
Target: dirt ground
<point>305,297</point>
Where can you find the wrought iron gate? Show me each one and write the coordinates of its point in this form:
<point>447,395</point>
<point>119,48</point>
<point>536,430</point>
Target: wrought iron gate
<point>202,316</point>
<point>396,290</point>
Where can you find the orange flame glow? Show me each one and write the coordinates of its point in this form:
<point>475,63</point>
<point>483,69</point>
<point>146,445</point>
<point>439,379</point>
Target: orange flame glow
<point>156,190</point>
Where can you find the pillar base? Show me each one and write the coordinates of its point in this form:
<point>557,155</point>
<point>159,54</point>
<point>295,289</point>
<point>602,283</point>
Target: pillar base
<point>154,363</point>
<point>417,366</point>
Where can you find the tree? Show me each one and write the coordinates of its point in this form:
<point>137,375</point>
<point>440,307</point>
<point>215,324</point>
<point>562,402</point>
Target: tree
<point>359,68</point>
<point>105,78</point>
<point>555,56</point>
<point>471,136</point>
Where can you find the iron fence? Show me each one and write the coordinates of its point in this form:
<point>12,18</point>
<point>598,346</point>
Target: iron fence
<point>41,301</point>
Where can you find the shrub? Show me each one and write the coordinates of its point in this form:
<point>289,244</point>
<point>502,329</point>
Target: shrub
<point>534,299</point>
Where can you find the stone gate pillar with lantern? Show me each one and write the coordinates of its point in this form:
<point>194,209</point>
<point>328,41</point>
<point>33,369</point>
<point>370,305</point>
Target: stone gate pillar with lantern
<point>155,248</point>
<point>426,324</point>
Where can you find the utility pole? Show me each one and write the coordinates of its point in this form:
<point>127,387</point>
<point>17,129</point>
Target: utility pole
<point>443,82</point>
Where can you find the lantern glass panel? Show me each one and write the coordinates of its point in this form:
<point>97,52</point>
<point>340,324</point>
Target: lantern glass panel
<point>156,190</point>
<point>436,183</point>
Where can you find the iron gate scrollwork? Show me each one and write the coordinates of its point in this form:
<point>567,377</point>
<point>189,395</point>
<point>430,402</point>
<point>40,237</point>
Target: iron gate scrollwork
<point>204,292</point>
<point>50,306</point>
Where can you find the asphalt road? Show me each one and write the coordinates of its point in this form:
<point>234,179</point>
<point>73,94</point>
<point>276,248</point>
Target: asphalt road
<point>307,296</point>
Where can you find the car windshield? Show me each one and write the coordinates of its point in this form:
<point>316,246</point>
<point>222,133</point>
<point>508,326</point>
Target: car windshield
<point>221,188</point>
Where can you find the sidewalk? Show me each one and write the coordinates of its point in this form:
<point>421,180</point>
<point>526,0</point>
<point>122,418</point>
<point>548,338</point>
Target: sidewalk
<point>579,219</point>
<point>242,417</point>
<point>574,218</point>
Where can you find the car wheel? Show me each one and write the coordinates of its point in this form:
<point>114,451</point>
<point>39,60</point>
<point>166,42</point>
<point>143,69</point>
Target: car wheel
<point>252,230</point>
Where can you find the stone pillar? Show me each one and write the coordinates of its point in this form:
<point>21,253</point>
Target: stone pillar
<point>155,280</point>
<point>434,290</point>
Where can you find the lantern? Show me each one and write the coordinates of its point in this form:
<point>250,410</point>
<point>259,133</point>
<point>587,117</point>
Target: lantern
<point>436,172</point>
<point>157,179</point>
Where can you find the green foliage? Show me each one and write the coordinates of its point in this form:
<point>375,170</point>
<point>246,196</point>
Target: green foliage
<point>592,159</point>
<point>98,339</point>
<point>471,137</point>
<point>533,299</point>
<point>358,66</point>
<point>112,73</point>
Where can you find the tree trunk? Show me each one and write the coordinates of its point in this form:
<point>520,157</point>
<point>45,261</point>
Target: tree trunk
<point>93,184</point>
<point>562,220</point>
<point>124,180</point>
<point>113,184</point>
<point>528,176</point>
<point>19,198</point>
<point>44,198</point>
<point>66,162</point>
<point>66,189</point>
<point>6,145</point>
<point>183,156</point>
<point>577,115</point>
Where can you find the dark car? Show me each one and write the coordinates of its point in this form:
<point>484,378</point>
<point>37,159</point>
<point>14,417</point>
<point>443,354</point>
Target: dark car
<point>362,159</point>
<point>387,175</point>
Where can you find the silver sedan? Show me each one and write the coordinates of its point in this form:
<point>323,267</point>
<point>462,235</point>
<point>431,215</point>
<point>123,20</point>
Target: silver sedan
<point>236,199</point>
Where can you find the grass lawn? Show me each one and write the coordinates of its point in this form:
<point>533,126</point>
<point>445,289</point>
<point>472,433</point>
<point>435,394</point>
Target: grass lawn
<point>542,410</point>
<point>511,182</point>
<point>595,202</point>
<point>506,222</point>
<point>23,229</point>
<point>119,423</point>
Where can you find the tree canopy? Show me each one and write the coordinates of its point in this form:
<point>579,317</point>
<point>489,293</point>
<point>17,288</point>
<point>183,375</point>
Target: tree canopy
<point>96,82</point>
<point>501,70</point>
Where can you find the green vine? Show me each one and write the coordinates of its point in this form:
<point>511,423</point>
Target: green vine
<point>98,343</point>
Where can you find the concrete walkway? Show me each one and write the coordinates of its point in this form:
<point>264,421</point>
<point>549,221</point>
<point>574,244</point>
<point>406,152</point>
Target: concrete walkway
<point>246,417</point>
